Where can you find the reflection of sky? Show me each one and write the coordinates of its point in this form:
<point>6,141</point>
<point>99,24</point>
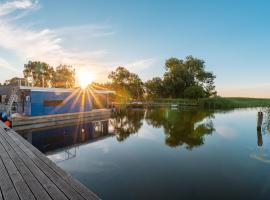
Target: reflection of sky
<point>57,157</point>
<point>262,153</point>
<point>225,132</point>
<point>149,134</point>
<point>64,155</point>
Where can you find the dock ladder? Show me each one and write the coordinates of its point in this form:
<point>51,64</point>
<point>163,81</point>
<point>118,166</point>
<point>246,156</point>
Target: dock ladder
<point>12,98</point>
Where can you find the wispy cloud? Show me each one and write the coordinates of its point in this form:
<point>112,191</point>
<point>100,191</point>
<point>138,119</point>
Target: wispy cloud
<point>11,6</point>
<point>91,30</point>
<point>141,64</point>
<point>46,44</point>
<point>63,45</point>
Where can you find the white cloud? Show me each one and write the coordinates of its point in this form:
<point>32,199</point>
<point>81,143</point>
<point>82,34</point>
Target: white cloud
<point>59,45</point>
<point>11,6</point>
<point>46,44</point>
<point>43,45</point>
<point>141,65</point>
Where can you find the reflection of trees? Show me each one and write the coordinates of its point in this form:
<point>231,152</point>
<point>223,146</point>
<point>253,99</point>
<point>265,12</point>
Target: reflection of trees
<point>266,120</point>
<point>128,121</point>
<point>181,127</point>
<point>187,126</point>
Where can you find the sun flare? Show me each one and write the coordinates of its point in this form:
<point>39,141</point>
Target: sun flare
<point>85,79</point>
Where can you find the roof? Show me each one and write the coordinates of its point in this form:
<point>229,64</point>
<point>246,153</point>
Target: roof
<point>43,89</point>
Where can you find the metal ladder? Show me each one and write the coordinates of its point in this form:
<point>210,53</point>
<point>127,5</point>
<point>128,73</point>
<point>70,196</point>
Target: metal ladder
<point>13,98</point>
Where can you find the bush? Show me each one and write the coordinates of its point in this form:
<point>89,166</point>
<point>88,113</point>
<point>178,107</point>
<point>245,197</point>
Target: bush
<point>194,92</point>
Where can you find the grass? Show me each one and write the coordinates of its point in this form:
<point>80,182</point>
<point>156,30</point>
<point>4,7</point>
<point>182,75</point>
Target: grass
<point>178,101</point>
<point>214,103</point>
<point>233,102</point>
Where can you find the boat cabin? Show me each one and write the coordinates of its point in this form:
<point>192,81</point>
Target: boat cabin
<point>38,101</point>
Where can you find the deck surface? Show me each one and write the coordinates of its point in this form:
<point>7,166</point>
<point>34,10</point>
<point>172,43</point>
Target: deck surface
<point>26,173</point>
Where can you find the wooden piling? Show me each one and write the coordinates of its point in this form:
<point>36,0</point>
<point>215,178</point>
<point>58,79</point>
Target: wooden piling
<point>259,120</point>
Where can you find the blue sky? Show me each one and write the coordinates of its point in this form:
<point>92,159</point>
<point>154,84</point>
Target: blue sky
<point>96,36</point>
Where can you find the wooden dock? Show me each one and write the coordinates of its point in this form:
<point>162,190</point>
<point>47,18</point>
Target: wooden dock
<point>25,123</point>
<point>27,174</point>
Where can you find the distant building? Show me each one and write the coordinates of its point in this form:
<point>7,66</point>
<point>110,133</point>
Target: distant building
<point>38,101</point>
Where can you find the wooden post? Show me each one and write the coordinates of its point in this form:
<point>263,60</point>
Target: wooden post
<point>259,137</point>
<point>259,120</point>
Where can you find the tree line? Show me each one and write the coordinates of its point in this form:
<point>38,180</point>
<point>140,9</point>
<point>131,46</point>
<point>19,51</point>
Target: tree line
<point>41,74</point>
<point>183,78</point>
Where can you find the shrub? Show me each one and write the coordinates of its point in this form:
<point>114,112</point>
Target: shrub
<point>194,92</point>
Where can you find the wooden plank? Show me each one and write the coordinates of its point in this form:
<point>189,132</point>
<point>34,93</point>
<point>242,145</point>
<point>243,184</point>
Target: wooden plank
<point>48,185</point>
<point>7,188</point>
<point>36,188</point>
<point>54,177</point>
<point>21,187</point>
<point>1,197</point>
<point>85,192</point>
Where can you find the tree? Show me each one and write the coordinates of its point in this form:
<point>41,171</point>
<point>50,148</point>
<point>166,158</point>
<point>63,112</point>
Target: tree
<point>194,92</point>
<point>154,87</point>
<point>39,73</point>
<point>182,74</point>
<point>64,77</point>
<point>126,83</point>
<point>135,86</point>
<point>209,84</point>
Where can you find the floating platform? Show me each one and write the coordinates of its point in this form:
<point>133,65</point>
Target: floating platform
<point>27,174</point>
<point>24,123</point>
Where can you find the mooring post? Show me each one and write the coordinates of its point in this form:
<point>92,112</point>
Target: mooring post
<point>259,120</point>
<point>259,129</point>
<point>259,137</point>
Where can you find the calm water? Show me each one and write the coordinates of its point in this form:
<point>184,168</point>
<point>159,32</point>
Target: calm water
<point>165,154</point>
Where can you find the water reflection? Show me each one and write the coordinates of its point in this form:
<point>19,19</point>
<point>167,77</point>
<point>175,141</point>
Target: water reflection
<point>127,122</point>
<point>185,127</point>
<point>259,137</point>
<point>181,126</point>
<point>263,124</point>
<point>263,120</point>
<point>63,138</point>
<point>262,152</point>
<point>233,165</point>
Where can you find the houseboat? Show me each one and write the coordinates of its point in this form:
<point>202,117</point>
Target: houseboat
<point>38,104</point>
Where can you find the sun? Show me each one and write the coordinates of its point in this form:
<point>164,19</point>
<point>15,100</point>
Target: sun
<point>85,79</point>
